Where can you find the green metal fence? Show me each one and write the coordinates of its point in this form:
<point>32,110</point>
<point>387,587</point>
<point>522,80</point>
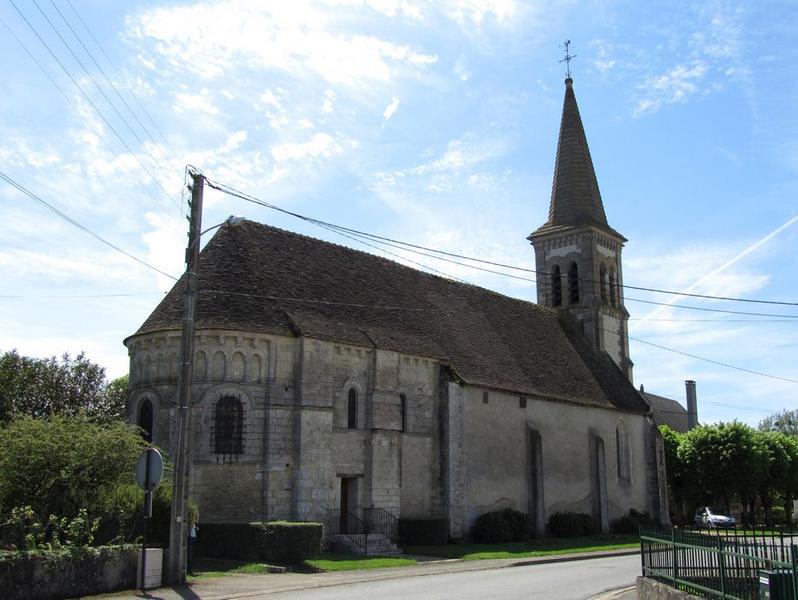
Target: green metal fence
<point>722,563</point>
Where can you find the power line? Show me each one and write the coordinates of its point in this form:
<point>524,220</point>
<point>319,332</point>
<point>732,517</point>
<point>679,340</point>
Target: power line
<point>714,310</point>
<point>155,161</point>
<point>121,78</point>
<point>111,83</point>
<point>415,248</point>
<point>714,362</point>
<point>92,104</point>
<point>716,320</point>
<point>72,221</point>
<point>422,309</point>
<point>81,296</point>
<point>77,110</point>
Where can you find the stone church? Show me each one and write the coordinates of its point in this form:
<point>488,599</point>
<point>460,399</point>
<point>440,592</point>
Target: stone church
<point>327,379</point>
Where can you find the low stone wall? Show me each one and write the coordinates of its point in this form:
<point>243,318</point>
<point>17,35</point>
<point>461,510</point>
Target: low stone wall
<point>55,576</point>
<point>649,589</point>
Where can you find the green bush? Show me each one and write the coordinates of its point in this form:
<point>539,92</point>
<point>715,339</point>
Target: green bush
<point>570,524</point>
<point>271,541</point>
<point>424,532</point>
<point>631,522</point>
<point>500,526</point>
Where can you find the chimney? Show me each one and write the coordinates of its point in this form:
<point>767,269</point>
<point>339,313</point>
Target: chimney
<point>692,404</point>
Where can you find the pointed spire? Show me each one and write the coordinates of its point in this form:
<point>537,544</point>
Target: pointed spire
<point>575,196</point>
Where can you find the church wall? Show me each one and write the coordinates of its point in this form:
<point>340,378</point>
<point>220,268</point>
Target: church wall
<point>496,456</point>
<point>256,369</point>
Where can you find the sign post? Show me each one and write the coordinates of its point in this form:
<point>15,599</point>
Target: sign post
<point>149,471</point>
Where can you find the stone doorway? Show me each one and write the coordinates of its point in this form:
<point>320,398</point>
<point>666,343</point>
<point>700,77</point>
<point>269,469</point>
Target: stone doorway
<point>348,504</point>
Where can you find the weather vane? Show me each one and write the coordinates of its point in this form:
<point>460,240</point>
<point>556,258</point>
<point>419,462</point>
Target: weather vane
<point>568,58</point>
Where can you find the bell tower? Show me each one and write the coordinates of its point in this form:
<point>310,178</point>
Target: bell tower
<point>577,253</point>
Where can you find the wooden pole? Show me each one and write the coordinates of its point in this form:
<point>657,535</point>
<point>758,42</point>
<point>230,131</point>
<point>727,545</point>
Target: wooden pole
<point>183,450</point>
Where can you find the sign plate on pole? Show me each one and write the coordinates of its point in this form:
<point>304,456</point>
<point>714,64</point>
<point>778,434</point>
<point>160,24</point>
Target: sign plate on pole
<point>149,469</point>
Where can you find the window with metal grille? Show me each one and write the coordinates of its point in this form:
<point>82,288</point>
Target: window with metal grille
<point>351,412</point>
<point>145,420</point>
<point>573,284</point>
<point>556,286</point>
<point>228,426</point>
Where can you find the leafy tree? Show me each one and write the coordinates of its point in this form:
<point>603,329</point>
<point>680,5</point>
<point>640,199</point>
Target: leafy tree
<point>786,422</point>
<point>724,459</point>
<point>779,472</point>
<point>46,387</point>
<point>59,465</point>
<point>675,468</point>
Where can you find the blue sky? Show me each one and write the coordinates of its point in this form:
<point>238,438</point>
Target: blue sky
<point>434,123</point>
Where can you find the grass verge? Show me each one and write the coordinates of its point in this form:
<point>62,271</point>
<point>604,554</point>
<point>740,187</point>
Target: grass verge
<point>218,567</point>
<point>544,547</point>
<point>347,562</point>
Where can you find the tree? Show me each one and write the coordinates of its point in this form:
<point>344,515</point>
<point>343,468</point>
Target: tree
<point>724,459</point>
<point>674,467</point>
<point>46,387</point>
<point>786,422</point>
<point>777,476</point>
<point>62,464</point>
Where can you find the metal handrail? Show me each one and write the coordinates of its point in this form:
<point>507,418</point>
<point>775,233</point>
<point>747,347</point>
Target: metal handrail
<point>379,520</point>
<point>721,565</point>
<point>349,525</point>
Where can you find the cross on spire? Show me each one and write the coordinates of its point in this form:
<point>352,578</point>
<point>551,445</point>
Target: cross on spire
<point>568,58</point>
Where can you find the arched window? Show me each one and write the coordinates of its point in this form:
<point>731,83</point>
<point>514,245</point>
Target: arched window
<point>623,452</point>
<point>403,412</point>
<point>556,286</point>
<point>603,281</point>
<point>613,288</point>
<point>145,420</point>
<point>228,426</point>
<point>573,284</point>
<point>351,410</point>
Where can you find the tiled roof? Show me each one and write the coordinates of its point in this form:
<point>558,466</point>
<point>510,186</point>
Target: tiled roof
<point>258,278</point>
<point>575,195</point>
<point>667,412</point>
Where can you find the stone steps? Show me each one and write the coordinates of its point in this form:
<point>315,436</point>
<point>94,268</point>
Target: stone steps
<point>377,544</point>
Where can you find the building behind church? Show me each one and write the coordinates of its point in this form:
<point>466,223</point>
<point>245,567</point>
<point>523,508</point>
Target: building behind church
<point>328,379</point>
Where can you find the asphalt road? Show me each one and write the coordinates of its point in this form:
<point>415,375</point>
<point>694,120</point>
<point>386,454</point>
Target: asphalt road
<point>576,580</point>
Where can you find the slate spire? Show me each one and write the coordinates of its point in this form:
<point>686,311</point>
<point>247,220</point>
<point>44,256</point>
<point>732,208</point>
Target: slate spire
<point>575,195</point>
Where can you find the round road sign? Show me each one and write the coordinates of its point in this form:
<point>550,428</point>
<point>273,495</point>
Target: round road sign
<point>149,469</point>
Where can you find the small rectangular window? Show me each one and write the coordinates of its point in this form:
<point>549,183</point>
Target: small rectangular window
<point>522,402</point>
<point>485,396</point>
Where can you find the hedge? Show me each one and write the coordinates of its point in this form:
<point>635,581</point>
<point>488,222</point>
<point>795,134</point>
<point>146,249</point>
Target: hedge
<point>271,541</point>
<point>424,532</point>
<point>67,573</point>
<point>570,524</point>
<point>500,526</point>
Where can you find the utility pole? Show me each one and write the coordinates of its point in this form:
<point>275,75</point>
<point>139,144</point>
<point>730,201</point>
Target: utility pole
<point>183,451</point>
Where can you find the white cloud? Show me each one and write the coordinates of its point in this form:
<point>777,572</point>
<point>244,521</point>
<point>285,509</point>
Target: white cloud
<point>329,101</point>
<point>674,86</point>
<point>196,102</point>
<point>213,38</point>
<point>476,11</point>
<point>461,71</point>
<point>320,145</point>
<point>391,108</point>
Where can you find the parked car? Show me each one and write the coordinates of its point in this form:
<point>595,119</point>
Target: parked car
<point>707,516</point>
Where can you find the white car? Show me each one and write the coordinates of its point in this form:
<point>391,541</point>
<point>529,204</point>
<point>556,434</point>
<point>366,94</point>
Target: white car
<point>706,516</point>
